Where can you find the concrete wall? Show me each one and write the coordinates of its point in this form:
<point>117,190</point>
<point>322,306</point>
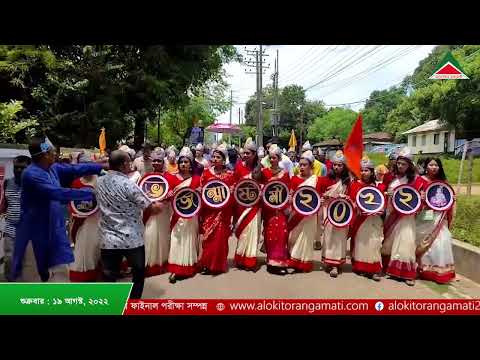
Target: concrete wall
<point>467,260</point>
<point>430,147</point>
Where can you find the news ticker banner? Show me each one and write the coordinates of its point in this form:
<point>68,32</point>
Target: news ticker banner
<point>63,298</point>
<point>303,307</point>
<point>112,299</point>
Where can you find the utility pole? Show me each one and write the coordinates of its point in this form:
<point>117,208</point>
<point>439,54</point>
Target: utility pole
<point>301,130</point>
<point>260,107</point>
<point>158,125</point>
<point>259,67</point>
<point>231,104</point>
<point>470,170</point>
<point>275,117</point>
<point>239,119</point>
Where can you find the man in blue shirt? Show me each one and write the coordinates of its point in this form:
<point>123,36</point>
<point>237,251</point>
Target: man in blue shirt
<point>42,219</point>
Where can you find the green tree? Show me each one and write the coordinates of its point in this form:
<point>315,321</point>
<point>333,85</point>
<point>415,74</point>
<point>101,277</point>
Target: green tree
<point>378,106</point>
<point>337,122</point>
<point>312,110</point>
<point>118,87</point>
<point>456,102</point>
<point>251,107</point>
<point>10,125</point>
<point>291,103</point>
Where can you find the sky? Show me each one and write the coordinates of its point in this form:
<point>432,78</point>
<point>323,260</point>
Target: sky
<point>335,74</point>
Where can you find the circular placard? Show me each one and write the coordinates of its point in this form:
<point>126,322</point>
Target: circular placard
<point>186,203</point>
<point>275,194</point>
<point>340,212</point>
<point>154,186</point>
<point>83,208</point>
<point>439,196</point>
<point>370,200</point>
<point>215,194</point>
<point>306,200</point>
<point>247,193</point>
<point>406,200</point>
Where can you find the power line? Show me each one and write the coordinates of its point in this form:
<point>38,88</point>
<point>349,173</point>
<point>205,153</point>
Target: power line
<point>307,71</point>
<point>328,77</point>
<point>259,66</point>
<point>294,64</point>
<point>383,96</point>
<point>373,69</point>
<point>312,75</point>
<point>341,81</point>
<point>340,63</point>
<point>290,76</point>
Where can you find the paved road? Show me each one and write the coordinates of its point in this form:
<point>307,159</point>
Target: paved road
<point>237,284</point>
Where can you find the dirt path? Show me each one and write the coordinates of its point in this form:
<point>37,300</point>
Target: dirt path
<point>463,189</point>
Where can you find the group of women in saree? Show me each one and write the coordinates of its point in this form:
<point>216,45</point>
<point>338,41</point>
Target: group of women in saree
<point>402,246</point>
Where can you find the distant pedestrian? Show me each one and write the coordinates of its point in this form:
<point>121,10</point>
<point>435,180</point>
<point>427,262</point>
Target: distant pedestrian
<point>12,188</point>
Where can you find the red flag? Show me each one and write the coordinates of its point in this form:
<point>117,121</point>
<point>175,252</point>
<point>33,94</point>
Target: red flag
<point>353,148</point>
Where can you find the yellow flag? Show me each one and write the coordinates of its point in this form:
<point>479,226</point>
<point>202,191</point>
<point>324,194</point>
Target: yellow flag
<point>292,143</point>
<point>102,142</point>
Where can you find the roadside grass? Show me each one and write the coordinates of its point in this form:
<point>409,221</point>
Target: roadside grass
<point>466,225</point>
<point>450,165</point>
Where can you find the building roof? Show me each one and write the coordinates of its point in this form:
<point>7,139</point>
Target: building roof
<point>432,125</point>
<point>378,136</point>
<point>331,142</point>
<point>377,142</point>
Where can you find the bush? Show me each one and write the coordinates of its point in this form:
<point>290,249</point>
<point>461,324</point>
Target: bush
<point>450,165</point>
<point>466,225</point>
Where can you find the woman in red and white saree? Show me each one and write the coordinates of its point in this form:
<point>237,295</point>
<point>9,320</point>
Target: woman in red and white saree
<point>366,231</point>
<point>215,228</point>
<point>157,226</point>
<point>275,220</point>
<point>334,240</point>
<point>302,229</point>
<point>247,220</point>
<point>434,240</point>
<point>183,258</point>
<point>399,247</point>
<point>84,235</point>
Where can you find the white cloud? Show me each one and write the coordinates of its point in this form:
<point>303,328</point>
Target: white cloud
<point>308,64</point>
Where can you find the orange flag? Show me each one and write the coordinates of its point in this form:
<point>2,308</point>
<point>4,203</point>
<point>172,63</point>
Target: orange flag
<point>353,148</point>
<point>102,142</point>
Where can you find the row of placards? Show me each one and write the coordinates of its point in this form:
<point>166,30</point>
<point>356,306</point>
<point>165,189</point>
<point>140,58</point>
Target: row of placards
<point>187,202</point>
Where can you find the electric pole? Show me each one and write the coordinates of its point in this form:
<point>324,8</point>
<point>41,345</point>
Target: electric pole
<point>231,104</point>
<point>259,67</point>
<point>158,125</point>
<point>301,130</point>
<point>275,117</point>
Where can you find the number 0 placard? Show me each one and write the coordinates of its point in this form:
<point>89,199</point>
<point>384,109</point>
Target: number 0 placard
<point>340,212</point>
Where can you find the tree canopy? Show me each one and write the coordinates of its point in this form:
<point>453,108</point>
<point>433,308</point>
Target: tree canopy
<point>336,123</point>
<point>119,87</point>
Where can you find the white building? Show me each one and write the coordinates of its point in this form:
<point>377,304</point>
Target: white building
<point>433,137</point>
